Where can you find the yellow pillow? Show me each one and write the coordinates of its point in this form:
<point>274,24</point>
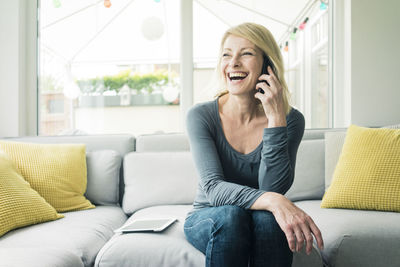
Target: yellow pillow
<point>56,171</point>
<point>20,205</point>
<point>367,175</point>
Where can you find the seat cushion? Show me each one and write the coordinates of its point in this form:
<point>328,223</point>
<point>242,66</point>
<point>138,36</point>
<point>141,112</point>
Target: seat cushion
<point>39,257</point>
<point>82,233</point>
<point>357,237</point>
<point>169,248</point>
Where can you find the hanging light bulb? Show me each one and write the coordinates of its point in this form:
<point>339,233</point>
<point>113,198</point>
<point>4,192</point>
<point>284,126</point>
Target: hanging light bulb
<point>303,24</point>
<point>323,5</point>
<point>56,3</point>
<point>286,46</point>
<point>293,34</point>
<point>107,3</point>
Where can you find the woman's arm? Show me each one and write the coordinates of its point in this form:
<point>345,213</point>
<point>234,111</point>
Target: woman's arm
<point>281,141</point>
<point>218,191</point>
<point>297,225</point>
<point>278,155</point>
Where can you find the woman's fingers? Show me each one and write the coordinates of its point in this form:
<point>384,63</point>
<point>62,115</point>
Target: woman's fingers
<point>317,233</point>
<point>307,236</point>
<point>290,238</point>
<point>274,84</point>
<point>298,227</point>
<point>299,238</point>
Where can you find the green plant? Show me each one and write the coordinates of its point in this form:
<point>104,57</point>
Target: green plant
<point>142,83</point>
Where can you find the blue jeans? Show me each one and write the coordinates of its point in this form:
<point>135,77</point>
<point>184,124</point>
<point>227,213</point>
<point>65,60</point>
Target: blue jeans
<point>232,236</point>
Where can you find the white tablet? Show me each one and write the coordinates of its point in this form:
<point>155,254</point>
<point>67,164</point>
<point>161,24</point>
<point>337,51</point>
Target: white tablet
<point>146,225</point>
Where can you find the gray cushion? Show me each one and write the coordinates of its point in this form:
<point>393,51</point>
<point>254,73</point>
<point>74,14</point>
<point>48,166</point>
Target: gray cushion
<point>156,178</point>
<point>357,237</point>
<point>311,134</point>
<point>396,126</point>
<point>38,257</point>
<point>168,248</point>
<point>162,142</point>
<point>103,167</point>
<point>122,143</point>
<point>82,233</point>
<point>301,259</point>
<point>309,173</point>
<point>333,148</point>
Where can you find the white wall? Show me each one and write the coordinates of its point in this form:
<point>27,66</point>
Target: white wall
<point>9,68</point>
<point>17,68</point>
<point>375,59</point>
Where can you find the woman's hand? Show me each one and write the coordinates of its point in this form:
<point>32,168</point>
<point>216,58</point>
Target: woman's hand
<point>272,99</point>
<point>294,222</point>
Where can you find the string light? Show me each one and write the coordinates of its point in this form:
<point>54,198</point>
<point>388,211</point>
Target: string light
<point>323,5</point>
<point>303,24</point>
<point>107,3</point>
<point>293,34</point>
<point>56,3</point>
<point>286,46</point>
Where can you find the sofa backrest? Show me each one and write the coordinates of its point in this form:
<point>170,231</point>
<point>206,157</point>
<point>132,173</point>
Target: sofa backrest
<point>165,149</point>
<point>103,151</point>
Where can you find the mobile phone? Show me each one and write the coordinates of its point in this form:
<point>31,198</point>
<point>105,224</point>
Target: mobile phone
<point>267,62</point>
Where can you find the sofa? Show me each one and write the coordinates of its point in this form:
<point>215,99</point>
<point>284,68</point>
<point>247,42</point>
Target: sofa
<point>153,176</point>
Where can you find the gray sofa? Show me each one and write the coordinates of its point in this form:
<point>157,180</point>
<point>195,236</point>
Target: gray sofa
<point>153,176</point>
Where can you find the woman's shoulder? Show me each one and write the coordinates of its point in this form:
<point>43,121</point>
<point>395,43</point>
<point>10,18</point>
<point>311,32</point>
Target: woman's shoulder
<point>295,120</point>
<point>203,110</point>
<point>294,114</point>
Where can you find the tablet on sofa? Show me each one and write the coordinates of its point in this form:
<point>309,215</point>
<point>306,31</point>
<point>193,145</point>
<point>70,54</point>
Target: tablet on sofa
<point>146,225</point>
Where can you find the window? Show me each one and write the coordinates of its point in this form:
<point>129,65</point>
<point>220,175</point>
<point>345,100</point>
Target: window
<point>116,69</point>
<point>109,69</point>
<point>307,69</point>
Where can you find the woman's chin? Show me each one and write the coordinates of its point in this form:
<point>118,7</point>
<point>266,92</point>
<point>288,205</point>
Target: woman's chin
<point>239,91</point>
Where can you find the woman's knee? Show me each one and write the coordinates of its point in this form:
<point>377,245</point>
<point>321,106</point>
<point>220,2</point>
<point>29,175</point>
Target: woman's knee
<point>233,218</point>
<point>265,224</point>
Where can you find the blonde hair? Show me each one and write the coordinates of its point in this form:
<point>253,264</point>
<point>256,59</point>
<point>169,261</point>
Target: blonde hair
<point>263,39</point>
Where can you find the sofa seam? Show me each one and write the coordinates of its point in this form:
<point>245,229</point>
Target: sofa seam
<point>337,249</point>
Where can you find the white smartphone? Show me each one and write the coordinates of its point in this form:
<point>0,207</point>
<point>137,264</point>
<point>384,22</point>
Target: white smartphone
<point>146,225</point>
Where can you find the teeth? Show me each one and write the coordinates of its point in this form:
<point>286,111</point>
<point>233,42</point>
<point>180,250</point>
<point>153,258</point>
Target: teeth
<point>237,74</point>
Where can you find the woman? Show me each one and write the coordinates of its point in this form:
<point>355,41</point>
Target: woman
<point>244,144</point>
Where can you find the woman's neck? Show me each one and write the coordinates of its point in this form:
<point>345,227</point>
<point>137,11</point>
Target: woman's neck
<point>243,109</point>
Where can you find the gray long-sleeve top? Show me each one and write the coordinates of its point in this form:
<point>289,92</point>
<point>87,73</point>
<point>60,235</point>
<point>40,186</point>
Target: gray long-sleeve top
<point>228,177</point>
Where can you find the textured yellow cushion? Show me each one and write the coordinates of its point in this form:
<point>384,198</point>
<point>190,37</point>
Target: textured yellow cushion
<point>20,205</point>
<point>56,171</point>
<point>367,175</point>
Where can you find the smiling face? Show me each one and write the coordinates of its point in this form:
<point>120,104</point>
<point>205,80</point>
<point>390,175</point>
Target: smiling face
<point>241,63</point>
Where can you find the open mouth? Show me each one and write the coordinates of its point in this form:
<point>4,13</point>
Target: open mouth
<point>236,76</point>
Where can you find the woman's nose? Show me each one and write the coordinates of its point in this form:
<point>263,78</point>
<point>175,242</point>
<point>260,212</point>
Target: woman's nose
<point>235,62</point>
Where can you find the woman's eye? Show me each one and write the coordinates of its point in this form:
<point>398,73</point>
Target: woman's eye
<point>225,55</point>
<point>247,53</point>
